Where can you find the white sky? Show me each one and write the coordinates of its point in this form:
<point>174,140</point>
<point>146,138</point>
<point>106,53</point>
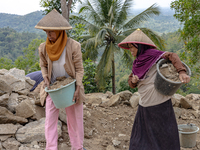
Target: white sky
<point>23,7</point>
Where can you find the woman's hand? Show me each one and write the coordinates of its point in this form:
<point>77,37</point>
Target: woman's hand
<point>76,94</point>
<point>135,79</point>
<point>46,82</point>
<point>184,78</point>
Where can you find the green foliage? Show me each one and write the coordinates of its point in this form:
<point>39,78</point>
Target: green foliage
<point>108,24</point>
<point>173,42</point>
<point>12,42</point>
<point>124,86</point>
<point>29,62</point>
<point>89,76</point>
<point>89,81</point>
<point>188,13</point>
<point>77,31</point>
<point>49,5</point>
<point>6,63</point>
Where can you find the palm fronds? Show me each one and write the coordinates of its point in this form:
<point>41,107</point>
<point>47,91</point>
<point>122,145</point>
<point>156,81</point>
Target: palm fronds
<point>127,58</point>
<point>123,12</point>
<point>92,13</point>
<point>105,64</point>
<point>93,29</point>
<point>158,41</point>
<point>146,14</point>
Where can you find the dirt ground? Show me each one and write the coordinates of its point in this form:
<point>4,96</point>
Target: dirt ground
<point>109,128</point>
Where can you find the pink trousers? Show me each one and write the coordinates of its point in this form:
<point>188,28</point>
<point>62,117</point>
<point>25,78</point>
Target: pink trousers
<point>74,123</point>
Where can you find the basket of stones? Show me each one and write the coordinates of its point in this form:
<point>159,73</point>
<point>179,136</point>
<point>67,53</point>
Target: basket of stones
<point>167,79</point>
<point>62,92</point>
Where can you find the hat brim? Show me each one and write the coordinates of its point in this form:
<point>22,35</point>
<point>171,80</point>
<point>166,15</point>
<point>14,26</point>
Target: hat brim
<point>124,45</point>
<point>53,28</point>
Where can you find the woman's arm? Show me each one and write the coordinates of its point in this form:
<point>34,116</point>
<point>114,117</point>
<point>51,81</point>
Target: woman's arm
<point>78,64</point>
<point>43,65</point>
<point>79,70</point>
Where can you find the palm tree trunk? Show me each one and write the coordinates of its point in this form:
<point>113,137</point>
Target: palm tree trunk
<point>113,77</point>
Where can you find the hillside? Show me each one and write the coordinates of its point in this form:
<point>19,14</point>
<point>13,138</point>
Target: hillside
<point>20,23</point>
<point>163,23</point>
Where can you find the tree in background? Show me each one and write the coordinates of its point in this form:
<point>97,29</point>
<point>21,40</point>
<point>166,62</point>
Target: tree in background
<point>29,62</point>
<point>62,6</point>
<point>188,13</point>
<point>108,24</point>
<point>6,63</point>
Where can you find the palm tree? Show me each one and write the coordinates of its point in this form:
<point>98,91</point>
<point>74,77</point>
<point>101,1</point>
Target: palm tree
<point>108,24</point>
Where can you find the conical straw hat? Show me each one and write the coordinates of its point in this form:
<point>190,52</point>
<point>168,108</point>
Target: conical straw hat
<point>137,37</point>
<point>53,21</point>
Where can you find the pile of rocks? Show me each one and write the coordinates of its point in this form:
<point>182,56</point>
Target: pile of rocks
<point>21,121</point>
<point>108,118</point>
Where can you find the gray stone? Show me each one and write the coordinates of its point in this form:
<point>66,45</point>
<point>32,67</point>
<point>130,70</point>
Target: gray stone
<point>25,109</point>
<point>4,86</point>
<point>176,100</point>
<point>5,137</point>
<point>3,71</point>
<point>62,115</point>
<point>134,100</point>
<point>4,100</point>
<point>23,92</point>
<point>34,131</point>
<point>8,117</point>
<point>11,144</point>
<point>193,97</point>
<point>23,147</point>
<point>185,104</point>
<point>96,98</point>
<point>29,83</point>
<point>17,73</point>
<point>110,147</point>
<point>39,113</point>
<point>63,146</point>
<point>115,100</point>
<point>2,92</point>
<point>8,129</point>
<point>178,112</point>
<point>125,95</point>
<point>116,142</point>
<point>110,94</point>
<point>15,79</point>
<point>13,102</point>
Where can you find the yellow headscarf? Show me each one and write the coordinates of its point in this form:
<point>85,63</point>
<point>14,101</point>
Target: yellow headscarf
<point>55,49</point>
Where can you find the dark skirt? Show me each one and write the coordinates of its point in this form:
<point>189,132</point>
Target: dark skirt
<point>155,128</point>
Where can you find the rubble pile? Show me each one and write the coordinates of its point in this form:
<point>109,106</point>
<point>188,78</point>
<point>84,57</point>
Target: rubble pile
<point>108,118</point>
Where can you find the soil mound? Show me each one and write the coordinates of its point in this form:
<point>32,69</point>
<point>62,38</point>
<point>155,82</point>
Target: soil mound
<point>60,82</point>
<point>169,72</point>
